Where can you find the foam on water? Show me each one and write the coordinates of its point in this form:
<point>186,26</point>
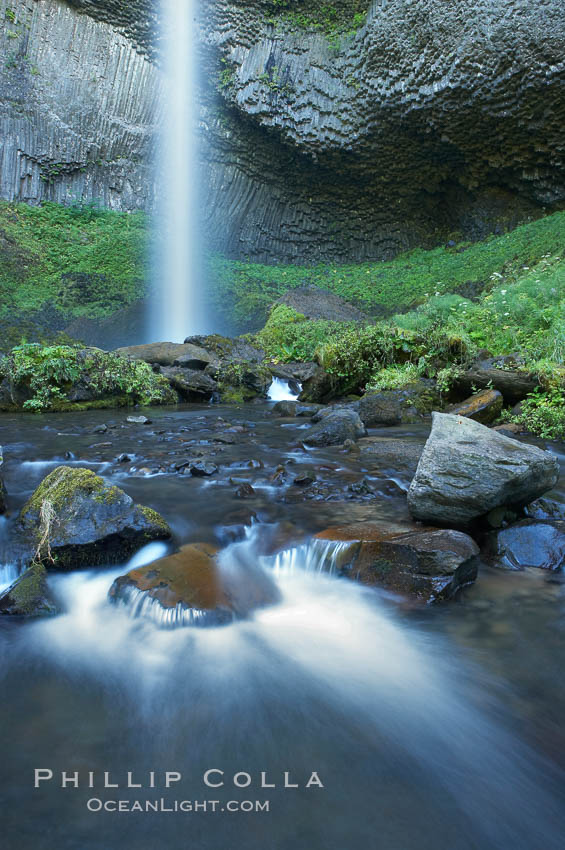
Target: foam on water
<point>280,391</point>
<point>327,641</point>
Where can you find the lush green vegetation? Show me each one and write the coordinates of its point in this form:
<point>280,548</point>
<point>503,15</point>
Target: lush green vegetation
<point>432,310</point>
<point>84,260</point>
<point>332,19</point>
<point>48,378</point>
<point>245,291</point>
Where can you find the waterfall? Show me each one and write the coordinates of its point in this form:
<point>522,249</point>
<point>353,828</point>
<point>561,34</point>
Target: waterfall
<point>176,308</point>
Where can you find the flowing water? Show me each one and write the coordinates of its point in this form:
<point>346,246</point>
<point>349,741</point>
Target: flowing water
<point>177,306</point>
<point>430,728</point>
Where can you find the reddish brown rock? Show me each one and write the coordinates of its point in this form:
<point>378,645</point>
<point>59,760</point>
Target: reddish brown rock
<point>192,587</point>
<point>427,563</point>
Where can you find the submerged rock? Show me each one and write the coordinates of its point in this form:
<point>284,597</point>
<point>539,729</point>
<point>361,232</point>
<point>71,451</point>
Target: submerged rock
<point>530,543</point>
<point>75,519</point>
<point>484,407</point>
<point>467,470</point>
<point>337,426</point>
<point>29,595</point>
<point>429,564</point>
<point>189,588</point>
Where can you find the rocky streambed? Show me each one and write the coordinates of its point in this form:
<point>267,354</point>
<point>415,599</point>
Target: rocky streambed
<point>309,546</point>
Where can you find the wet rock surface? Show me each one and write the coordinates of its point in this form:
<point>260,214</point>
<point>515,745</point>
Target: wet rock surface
<point>426,563</point>
<point>29,595</point>
<point>192,584</point>
<point>530,543</point>
<point>75,519</point>
<point>467,470</point>
<point>337,426</point>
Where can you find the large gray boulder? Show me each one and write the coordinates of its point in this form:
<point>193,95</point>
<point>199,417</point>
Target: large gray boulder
<point>75,519</point>
<point>467,470</point>
<point>335,428</point>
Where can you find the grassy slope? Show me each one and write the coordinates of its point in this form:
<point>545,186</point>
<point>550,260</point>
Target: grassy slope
<point>516,281</point>
<point>39,245</point>
<point>398,285</point>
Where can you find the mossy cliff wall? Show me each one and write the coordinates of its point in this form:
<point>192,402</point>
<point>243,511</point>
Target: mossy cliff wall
<point>328,133</point>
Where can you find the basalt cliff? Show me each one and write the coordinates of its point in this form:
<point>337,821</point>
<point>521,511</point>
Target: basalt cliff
<point>344,131</point>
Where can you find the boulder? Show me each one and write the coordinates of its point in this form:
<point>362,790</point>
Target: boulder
<point>296,371</point>
<point>159,353</point>
<point>530,543</point>
<point>29,595</point>
<point>466,470</point>
<point>395,407</point>
<point>318,388</point>
<point>339,425</point>
<point>234,350</point>
<point>546,509</point>
<point>429,564</point>
<point>285,409</point>
<point>484,407</point>
<point>316,303</point>
<point>75,519</point>
<point>195,358</point>
<point>191,384</point>
<point>190,588</point>
<point>390,457</point>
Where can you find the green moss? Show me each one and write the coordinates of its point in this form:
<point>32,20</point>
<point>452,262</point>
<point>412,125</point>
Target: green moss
<point>156,520</point>
<point>60,486</point>
<point>84,260</point>
<point>46,377</point>
<point>244,292</point>
<point>28,595</point>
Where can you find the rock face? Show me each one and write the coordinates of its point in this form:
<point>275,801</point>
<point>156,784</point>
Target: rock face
<point>29,595</point>
<point>467,470</point>
<point>530,543</point>
<point>421,114</point>
<point>429,564</point>
<point>416,119</point>
<point>75,519</point>
<point>337,426</point>
<point>79,103</point>
<point>189,588</point>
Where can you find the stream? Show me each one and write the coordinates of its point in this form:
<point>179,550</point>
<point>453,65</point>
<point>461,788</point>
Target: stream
<point>430,727</point>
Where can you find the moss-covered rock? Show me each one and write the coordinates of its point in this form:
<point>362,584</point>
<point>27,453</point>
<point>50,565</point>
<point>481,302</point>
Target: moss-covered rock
<point>64,377</point>
<point>29,595</point>
<point>75,519</point>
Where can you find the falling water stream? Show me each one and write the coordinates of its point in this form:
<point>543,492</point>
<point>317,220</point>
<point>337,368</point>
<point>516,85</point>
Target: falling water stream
<point>177,306</point>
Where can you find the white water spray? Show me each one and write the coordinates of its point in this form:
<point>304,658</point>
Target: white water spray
<point>281,391</point>
<point>177,309</point>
